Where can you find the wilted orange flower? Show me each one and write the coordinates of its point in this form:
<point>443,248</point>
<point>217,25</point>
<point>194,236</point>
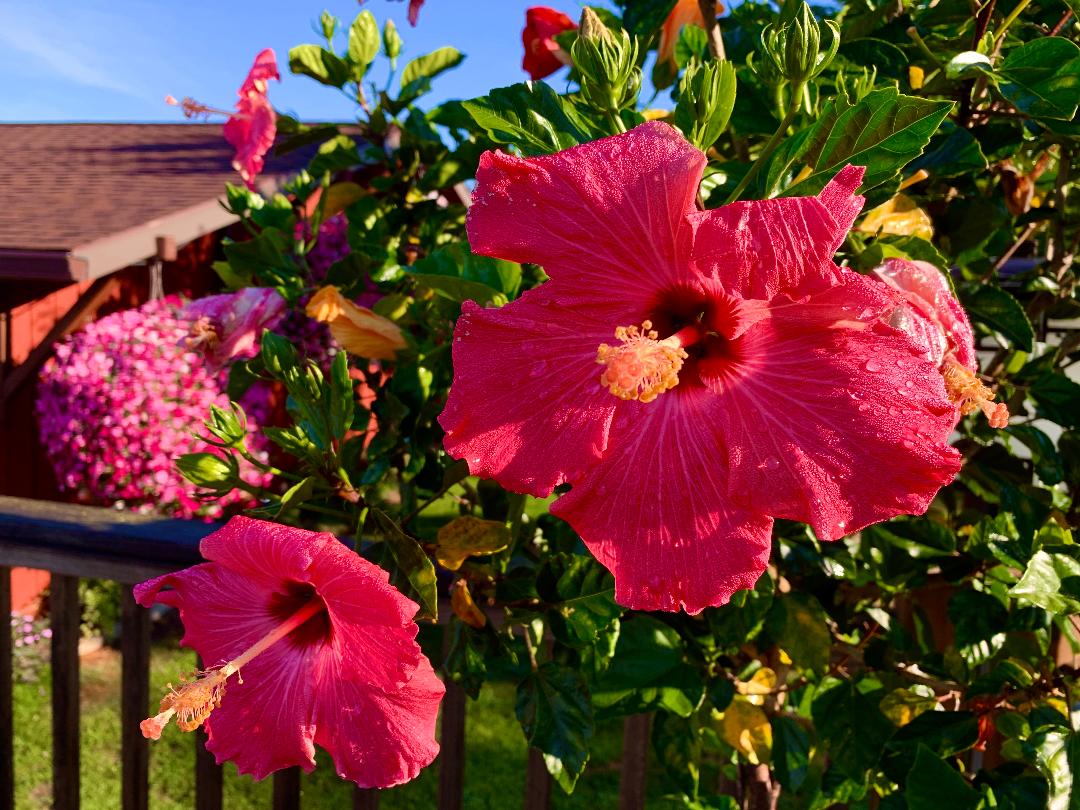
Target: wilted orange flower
<point>686,12</point>
<point>359,330</point>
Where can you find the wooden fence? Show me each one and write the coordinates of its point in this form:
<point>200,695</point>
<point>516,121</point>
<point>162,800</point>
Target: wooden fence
<point>77,541</point>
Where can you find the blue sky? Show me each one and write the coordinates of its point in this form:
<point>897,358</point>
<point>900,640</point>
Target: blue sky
<point>115,60</point>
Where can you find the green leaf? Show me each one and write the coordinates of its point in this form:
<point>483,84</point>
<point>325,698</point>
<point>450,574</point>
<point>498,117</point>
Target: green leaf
<point>297,494</point>
<point>459,289</point>
<point>677,742</point>
<point>741,619</point>
<point>883,132</point>
<point>457,261</point>
<point>933,784</point>
<point>797,623</point>
<point>320,64</point>
<point>555,713</point>
<point>363,43</point>
<point>420,71</point>
<point>531,116</point>
<point>790,751</point>
<point>944,733</point>
<point>918,537</point>
<point>466,536</point>
<point>851,728</point>
<point>889,246</point>
<point>582,595</point>
<point>1042,77</point>
<point>341,405</point>
<point>648,671</point>
<point>952,151</point>
<point>413,563</point>
<point>1051,581</point>
<point>999,310</point>
<point>1058,398</point>
<point>1044,455</point>
<point>693,43</point>
<point>644,17</point>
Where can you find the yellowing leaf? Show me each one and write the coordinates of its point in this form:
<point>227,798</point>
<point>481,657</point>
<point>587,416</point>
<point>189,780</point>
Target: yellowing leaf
<point>466,536</point>
<point>762,683</point>
<point>899,216</point>
<point>904,705</point>
<point>461,602</point>
<point>746,728</point>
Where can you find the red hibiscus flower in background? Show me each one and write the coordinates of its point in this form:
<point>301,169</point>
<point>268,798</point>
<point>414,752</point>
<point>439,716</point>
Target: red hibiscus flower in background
<point>749,378</point>
<point>325,648</point>
<point>543,55</point>
<point>252,128</point>
<point>230,325</point>
<point>685,12</point>
<point>933,317</point>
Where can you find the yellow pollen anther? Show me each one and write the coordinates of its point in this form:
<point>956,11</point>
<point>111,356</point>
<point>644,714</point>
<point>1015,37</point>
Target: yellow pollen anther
<point>969,394</point>
<point>193,701</point>
<point>641,367</point>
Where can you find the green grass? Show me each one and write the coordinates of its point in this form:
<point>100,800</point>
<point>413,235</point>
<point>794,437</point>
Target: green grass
<point>494,768</point>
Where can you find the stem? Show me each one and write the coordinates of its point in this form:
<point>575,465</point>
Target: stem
<point>770,147</point>
<point>615,120</point>
<point>1000,35</point>
<point>1061,24</point>
<point>712,28</point>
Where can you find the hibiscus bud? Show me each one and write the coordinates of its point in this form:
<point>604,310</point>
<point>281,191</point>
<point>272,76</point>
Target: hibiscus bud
<point>229,427</point>
<point>391,41</point>
<point>209,471</point>
<point>794,44</point>
<point>706,99</point>
<point>607,62</point>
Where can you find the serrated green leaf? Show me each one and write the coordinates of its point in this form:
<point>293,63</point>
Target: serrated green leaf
<point>1042,77</point>
<point>363,43</point>
<point>420,71</point>
<point>320,64</point>
<point>932,784</point>
<point>851,727</point>
<point>797,623</point>
<point>1051,581</point>
<point>412,563</point>
<point>999,310</point>
<point>582,595</point>
<point>531,116</point>
<point>555,713</point>
<point>883,132</point>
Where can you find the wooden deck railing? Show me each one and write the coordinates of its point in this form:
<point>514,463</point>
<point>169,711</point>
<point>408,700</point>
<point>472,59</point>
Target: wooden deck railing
<point>77,541</point>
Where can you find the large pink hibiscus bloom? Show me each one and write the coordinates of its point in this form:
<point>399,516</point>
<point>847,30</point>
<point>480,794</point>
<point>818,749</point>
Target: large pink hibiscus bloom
<point>307,643</point>
<point>743,377</point>
<point>252,128</point>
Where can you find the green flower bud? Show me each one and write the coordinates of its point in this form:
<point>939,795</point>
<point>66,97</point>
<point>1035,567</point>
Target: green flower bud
<point>227,427</point>
<point>607,64</point>
<point>706,99</point>
<point>391,40</point>
<point>210,472</point>
<point>794,45</point>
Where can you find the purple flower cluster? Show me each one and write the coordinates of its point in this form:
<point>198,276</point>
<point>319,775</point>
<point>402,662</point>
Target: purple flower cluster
<point>30,638</point>
<point>121,400</point>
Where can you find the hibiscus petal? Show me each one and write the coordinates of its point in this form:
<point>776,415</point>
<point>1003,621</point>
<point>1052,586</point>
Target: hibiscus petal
<point>656,512</point>
<point>525,374</point>
<point>369,615</point>
<point>609,216</point>
<point>264,722</point>
<point>265,553</point>
<point>762,248</point>
<point>377,739</point>
<point>834,418</point>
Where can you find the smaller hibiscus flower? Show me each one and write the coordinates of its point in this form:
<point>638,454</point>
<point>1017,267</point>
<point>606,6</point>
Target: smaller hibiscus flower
<point>932,316</point>
<point>308,643</point>
<point>543,55</point>
<point>253,127</point>
<point>229,326</point>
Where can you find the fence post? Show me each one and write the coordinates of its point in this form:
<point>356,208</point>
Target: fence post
<point>287,789</point>
<point>537,782</point>
<point>365,799</point>
<point>134,700</point>
<point>634,759</point>
<point>65,618</point>
<point>7,713</point>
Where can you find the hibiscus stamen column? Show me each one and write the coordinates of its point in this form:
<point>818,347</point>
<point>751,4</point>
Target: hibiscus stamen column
<point>194,700</point>
<point>643,367</point>
<point>969,394</point>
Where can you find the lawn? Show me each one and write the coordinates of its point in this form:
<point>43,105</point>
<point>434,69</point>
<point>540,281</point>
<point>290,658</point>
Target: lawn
<point>495,763</point>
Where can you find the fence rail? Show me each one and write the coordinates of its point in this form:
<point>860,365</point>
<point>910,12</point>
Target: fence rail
<point>78,541</point>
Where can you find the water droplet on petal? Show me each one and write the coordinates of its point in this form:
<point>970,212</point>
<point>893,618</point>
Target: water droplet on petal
<point>864,407</point>
<point>770,463</point>
<point>872,365</point>
<point>909,384</point>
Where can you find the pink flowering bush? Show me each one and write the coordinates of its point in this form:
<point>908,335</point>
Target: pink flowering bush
<point>119,404</point>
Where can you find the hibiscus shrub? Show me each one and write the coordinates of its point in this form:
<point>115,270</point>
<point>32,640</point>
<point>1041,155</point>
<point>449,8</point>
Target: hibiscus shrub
<point>749,410</point>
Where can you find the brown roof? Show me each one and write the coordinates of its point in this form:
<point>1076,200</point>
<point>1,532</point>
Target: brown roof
<point>64,187</point>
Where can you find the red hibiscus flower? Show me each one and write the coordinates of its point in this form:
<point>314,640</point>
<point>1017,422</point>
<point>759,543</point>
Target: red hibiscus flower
<point>230,325</point>
<point>932,316</point>
<point>252,128</point>
<point>414,10</point>
<point>322,648</point>
<point>543,55</point>
<point>749,378</point>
